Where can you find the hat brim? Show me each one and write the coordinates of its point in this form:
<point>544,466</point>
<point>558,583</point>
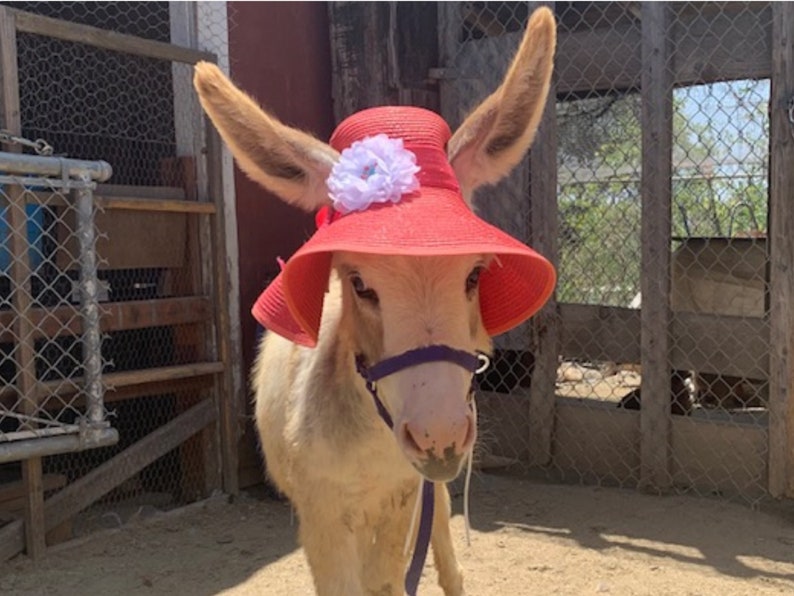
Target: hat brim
<point>431,222</point>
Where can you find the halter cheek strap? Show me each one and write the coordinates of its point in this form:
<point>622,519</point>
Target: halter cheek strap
<point>474,363</point>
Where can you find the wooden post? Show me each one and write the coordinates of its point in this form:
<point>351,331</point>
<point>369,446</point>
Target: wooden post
<point>414,44</point>
<point>221,228</point>
<point>25,358</point>
<point>545,324</point>
<point>450,23</point>
<point>228,401</point>
<point>656,188</point>
<point>362,68</point>
<point>781,256</point>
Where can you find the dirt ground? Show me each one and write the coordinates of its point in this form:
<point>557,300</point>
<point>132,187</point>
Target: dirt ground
<point>529,538</point>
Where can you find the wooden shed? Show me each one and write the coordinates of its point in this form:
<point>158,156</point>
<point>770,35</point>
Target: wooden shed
<point>665,118</point>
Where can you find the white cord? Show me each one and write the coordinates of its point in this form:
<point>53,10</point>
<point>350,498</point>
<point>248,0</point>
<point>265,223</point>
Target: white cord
<point>467,484</point>
<point>414,516</point>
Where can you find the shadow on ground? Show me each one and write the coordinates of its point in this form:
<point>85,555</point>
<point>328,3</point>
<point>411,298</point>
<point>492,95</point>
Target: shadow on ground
<point>727,537</point>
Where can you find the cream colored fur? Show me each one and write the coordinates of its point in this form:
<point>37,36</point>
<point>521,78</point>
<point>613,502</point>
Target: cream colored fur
<point>348,476</point>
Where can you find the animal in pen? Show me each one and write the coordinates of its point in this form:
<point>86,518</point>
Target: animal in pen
<point>377,324</point>
<point>680,395</point>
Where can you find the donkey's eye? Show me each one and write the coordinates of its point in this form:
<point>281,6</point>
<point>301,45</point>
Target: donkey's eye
<point>361,289</point>
<point>473,281</point>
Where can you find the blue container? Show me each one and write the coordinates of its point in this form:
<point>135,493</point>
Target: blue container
<point>35,217</point>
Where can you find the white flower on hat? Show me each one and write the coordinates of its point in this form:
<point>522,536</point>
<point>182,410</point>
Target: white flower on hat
<point>373,170</point>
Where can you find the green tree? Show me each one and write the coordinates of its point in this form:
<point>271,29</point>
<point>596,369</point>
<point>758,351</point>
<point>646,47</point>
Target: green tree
<point>719,181</point>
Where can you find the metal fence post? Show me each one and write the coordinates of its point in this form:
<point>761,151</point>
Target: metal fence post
<point>89,303</point>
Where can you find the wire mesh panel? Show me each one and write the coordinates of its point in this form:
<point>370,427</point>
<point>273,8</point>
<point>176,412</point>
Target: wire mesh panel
<point>482,39</point>
<point>112,81</point>
<point>713,256</point>
<point>719,253</point>
<point>51,358</point>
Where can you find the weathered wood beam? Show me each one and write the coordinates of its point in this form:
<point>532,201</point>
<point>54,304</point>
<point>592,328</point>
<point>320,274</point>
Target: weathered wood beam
<point>115,316</point>
<point>109,40</point>
<point>84,491</point>
<point>545,325</point>
<point>781,247</point>
<point>656,190</point>
<point>698,341</point>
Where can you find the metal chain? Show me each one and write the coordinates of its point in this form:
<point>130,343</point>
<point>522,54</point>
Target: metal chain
<point>40,146</point>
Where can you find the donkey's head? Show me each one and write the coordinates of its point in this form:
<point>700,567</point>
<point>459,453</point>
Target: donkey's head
<point>420,270</point>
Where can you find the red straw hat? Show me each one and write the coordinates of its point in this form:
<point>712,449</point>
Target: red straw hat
<point>426,216</point>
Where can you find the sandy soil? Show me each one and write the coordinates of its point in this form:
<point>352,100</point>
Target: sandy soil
<point>529,538</point>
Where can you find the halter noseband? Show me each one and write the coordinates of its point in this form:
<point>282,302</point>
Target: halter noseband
<point>474,363</point>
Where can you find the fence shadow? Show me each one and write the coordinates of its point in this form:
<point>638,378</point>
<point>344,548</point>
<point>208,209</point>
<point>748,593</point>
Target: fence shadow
<point>725,537</point>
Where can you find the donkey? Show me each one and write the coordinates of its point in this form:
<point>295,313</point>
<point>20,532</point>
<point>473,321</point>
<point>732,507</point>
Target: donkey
<point>348,447</point>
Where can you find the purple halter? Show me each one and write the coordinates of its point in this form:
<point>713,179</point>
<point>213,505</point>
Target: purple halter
<point>438,353</point>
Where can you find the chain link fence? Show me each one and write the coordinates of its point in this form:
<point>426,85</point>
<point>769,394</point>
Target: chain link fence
<point>121,92</point>
<point>714,254</point>
<point>51,358</point>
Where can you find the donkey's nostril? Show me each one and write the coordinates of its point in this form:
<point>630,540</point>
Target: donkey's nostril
<point>409,442</point>
<point>449,440</point>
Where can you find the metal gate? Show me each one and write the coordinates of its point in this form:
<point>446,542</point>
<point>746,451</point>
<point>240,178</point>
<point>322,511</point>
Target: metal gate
<point>51,355</point>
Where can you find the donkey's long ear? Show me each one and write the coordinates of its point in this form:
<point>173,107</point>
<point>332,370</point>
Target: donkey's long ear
<point>495,137</point>
<point>290,163</point>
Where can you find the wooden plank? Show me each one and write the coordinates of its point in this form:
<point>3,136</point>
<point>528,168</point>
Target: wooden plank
<point>360,59</point>
<point>705,49</point>
<point>587,427</point>
<point>200,453</point>
<point>414,45</point>
<point>229,401</point>
<point>187,385</point>
<point>735,346</point>
<point>154,205</point>
<point>81,493</point>
<point>781,245</point>
<point>593,333</point>
<point>586,60</point>
<point>162,374</point>
<point>450,21</point>
<point>202,381</point>
<point>116,380</point>
<point>128,239</point>
<point>719,457</point>
<point>657,129</point>
<point>163,193</point>
<point>108,40</point>
<point>722,45</point>
<point>707,455</point>
<point>224,197</point>
<point>9,76</point>
<point>21,301</point>
<point>115,316</point>
<point>12,493</point>
<point>545,324</point>
<point>698,341</point>
<point>101,480</point>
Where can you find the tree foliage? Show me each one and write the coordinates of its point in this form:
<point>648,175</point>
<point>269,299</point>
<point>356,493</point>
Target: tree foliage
<point>719,181</point>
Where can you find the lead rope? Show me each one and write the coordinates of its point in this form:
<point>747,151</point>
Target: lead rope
<point>485,362</point>
<point>425,499</point>
<point>467,482</point>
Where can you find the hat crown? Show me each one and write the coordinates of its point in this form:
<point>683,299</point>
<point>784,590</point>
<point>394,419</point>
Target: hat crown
<point>423,132</point>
